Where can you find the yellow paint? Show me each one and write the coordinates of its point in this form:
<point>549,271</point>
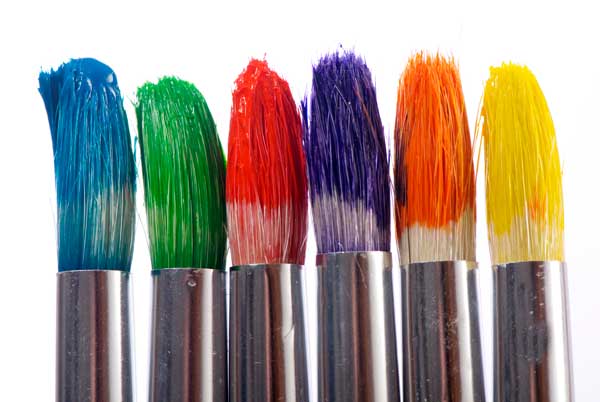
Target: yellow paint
<point>523,176</point>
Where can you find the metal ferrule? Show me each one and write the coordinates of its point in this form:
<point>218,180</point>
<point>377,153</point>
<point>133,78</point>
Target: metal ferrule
<point>188,358</point>
<point>268,359</point>
<point>441,341</point>
<point>93,343</point>
<point>357,354</point>
<point>532,350</point>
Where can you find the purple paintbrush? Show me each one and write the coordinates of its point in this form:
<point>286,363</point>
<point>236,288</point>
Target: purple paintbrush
<point>350,195</point>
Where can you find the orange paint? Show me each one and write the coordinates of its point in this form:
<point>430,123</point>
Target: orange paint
<point>537,206</point>
<point>433,171</point>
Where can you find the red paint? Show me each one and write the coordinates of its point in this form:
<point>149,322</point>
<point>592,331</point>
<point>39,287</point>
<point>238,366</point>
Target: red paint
<point>266,167</point>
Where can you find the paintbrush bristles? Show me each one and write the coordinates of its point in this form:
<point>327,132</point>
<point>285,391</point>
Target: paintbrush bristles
<point>347,158</point>
<point>522,169</point>
<point>267,195</point>
<point>184,176</point>
<point>93,164</point>
<point>433,171</point>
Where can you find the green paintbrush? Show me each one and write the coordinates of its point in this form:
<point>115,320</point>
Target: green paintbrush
<point>184,183</point>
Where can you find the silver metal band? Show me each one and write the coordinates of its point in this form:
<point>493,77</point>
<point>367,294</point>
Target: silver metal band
<point>357,350</point>
<point>188,361</point>
<point>267,344</point>
<point>441,332</point>
<point>93,343</point>
<point>532,353</point>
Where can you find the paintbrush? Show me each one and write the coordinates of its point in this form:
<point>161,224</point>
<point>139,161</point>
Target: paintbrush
<point>184,184</point>
<point>434,183</point>
<point>95,191</point>
<point>524,199</point>
<point>349,185</point>
<point>267,208</point>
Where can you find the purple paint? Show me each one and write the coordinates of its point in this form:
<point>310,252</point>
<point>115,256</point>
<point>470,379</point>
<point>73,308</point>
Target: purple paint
<point>347,158</point>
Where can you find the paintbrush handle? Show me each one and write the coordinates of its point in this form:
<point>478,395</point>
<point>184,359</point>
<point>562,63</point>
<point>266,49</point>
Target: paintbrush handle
<point>94,352</point>
<point>441,332</point>
<point>532,347</point>
<point>188,360</point>
<point>358,359</point>
<point>267,344</point>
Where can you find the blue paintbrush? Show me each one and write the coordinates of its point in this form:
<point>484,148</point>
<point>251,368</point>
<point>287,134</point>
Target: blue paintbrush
<point>95,190</point>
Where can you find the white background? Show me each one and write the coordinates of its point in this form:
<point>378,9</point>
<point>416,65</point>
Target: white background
<point>210,46</point>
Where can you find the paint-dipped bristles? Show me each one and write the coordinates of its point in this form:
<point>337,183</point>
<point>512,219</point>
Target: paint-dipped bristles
<point>434,180</point>
<point>184,176</point>
<point>267,197</point>
<point>93,165</point>
<point>347,158</point>
<point>522,169</point>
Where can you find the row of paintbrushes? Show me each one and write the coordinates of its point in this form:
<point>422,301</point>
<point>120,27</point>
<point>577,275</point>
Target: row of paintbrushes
<point>333,145</point>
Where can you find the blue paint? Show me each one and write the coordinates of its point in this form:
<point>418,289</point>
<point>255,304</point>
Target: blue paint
<point>93,165</point>
<point>347,157</point>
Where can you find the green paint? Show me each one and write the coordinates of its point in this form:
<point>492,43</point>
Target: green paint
<point>184,176</point>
